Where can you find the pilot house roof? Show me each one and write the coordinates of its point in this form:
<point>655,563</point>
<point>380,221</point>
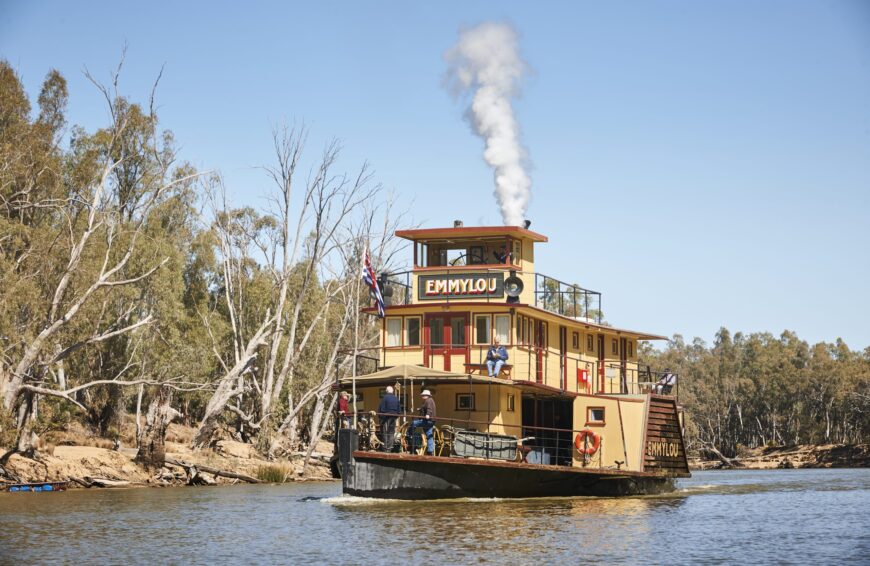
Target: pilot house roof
<point>466,232</point>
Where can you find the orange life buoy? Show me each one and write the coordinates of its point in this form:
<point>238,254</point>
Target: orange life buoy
<point>592,448</point>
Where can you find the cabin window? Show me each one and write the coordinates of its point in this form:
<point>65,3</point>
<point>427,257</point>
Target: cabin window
<point>594,415</point>
<point>575,341</point>
<point>524,330</point>
<point>465,401</point>
<point>630,349</point>
<point>590,343</point>
<point>482,330</point>
<point>412,331</point>
<point>511,402</point>
<point>614,346</point>
<point>457,331</point>
<point>503,328</point>
<point>394,332</point>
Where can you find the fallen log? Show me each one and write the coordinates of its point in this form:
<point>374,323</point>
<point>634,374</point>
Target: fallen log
<point>105,482</point>
<point>726,461</point>
<point>88,481</point>
<point>81,482</point>
<point>214,471</point>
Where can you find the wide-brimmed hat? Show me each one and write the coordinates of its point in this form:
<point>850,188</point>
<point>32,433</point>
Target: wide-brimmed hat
<point>426,393</point>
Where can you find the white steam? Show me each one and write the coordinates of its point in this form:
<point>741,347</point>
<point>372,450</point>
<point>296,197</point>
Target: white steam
<point>486,62</point>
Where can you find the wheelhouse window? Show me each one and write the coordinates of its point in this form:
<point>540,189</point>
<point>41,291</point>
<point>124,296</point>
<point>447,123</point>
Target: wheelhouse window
<point>482,329</point>
<point>614,346</point>
<point>503,328</point>
<point>511,402</point>
<point>590,343</point>
<point>575,341</point>
<point>394,332</point>
<point>630,349</point>
<point>457,253</point>
<point>412,331</point>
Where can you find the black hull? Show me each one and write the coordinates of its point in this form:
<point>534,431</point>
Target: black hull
<point>418,477</point>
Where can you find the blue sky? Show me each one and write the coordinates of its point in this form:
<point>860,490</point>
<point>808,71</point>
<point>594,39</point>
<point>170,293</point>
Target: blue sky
<point>700,163</point>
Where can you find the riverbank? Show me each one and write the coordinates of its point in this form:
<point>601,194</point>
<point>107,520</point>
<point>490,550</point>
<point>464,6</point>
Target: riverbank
<point>71,456</point>
<point>787,457</point>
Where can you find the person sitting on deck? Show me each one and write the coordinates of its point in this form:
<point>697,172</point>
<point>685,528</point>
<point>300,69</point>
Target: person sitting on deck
<point>666,384</point>
<point>496,356</point>
<point>388,410</point>
<point>426,422</point>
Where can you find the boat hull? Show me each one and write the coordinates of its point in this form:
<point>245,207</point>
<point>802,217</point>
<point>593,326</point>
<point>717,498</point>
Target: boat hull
<point>401,476</point>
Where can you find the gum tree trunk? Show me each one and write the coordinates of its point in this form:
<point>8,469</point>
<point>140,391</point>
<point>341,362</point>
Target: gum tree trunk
<point>152,448</point>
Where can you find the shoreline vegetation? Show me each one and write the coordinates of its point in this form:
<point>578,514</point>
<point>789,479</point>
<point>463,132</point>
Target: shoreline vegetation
<point>146,319</point>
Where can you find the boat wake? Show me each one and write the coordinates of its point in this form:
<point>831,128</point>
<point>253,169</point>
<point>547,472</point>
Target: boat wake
<point>356,501</point>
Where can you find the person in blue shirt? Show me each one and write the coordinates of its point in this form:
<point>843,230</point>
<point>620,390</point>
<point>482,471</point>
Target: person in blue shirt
<point>496,356</point>
<point>388,410</point>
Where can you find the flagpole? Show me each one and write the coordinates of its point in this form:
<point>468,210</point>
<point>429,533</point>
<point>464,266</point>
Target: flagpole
<point>356,333</point>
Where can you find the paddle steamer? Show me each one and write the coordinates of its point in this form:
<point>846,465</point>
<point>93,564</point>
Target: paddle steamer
<point>572,412</point>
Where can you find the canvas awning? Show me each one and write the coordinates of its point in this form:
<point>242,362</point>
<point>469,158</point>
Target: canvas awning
<point>419,373</point>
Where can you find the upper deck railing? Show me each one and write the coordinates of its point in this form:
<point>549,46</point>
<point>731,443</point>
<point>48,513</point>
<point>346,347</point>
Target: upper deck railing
<point>550,294</point>
<point>567,299</point>
<point>544,365</point>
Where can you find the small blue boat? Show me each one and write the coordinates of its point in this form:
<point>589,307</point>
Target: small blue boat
<point>34,487</point>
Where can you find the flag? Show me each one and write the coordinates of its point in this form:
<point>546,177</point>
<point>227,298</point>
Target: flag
<point>368,275</point>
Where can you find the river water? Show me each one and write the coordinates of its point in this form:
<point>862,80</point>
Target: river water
<point>781,516</point>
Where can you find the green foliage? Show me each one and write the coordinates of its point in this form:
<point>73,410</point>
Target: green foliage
<point>759,390</point>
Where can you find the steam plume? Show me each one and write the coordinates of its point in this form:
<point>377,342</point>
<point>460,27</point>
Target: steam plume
<point>485,62</point>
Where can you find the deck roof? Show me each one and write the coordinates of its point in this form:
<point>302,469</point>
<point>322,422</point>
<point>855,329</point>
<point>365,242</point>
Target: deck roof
<point>466,232</point>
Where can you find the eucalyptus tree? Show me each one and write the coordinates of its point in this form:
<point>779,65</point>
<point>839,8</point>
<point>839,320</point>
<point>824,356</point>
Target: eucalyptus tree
<point>74,264</point>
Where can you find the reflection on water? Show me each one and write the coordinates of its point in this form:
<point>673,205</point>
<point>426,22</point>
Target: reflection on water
<point>715,517</point>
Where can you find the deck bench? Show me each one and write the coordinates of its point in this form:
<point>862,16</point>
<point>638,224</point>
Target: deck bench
<point>505,369</point>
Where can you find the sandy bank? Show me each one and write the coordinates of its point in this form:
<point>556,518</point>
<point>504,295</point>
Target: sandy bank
<point>802,456</point>
<point>66,461</point>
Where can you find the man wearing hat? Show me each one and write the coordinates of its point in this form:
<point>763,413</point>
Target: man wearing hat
<point>426,422</point>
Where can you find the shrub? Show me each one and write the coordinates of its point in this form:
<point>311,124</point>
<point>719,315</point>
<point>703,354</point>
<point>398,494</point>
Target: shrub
<point>273,474</point>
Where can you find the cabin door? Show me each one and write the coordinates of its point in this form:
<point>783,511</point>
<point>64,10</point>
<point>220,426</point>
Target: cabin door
<point>447,341</point>
<point>563,357</point>
<point>540,346</point>
<point>623,357</point>
<point>601,363</point>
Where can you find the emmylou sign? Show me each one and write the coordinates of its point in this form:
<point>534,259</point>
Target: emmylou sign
<point>461,286</point>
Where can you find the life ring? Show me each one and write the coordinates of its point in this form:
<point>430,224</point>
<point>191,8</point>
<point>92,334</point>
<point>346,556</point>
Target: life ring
<point>579,442</point>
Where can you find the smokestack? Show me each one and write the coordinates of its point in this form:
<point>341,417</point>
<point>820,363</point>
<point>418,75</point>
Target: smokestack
<point>457,223</point>
<point>485,63</point>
